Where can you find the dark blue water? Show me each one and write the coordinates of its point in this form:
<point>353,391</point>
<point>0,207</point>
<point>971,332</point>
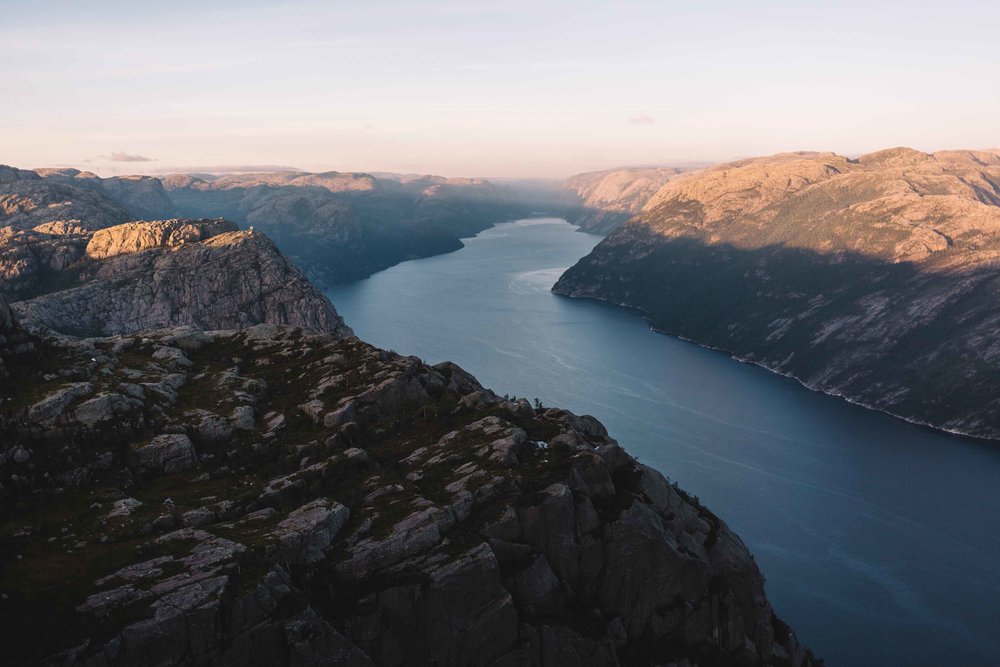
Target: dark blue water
<point>880,540</point>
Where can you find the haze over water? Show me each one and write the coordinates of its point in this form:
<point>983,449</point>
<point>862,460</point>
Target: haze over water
<point>878,538</point>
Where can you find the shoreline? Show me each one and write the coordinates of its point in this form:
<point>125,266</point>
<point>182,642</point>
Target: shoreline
<point>743,360</point>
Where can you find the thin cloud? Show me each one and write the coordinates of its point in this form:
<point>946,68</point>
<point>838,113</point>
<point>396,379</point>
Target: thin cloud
<point>122,156</point>
<point>642,119</point>
<point>223,169</point>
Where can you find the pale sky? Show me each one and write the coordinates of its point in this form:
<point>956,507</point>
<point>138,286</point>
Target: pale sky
<point>504,88</point>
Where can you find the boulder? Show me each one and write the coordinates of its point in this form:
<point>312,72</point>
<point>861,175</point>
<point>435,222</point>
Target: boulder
<point>167,453</point>
<point>307,531</point>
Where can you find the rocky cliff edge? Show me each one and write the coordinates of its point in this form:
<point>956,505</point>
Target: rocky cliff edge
<point>150,275</point>
<point>275,496</point>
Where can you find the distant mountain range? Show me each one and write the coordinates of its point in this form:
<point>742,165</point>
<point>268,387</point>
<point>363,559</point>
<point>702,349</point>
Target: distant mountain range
<point>336,226</point>
<point>340,227</point>
<point>869,278</point>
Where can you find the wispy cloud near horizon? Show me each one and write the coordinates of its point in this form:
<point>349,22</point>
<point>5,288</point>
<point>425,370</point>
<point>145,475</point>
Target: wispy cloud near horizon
<point>122,156</point>
<point>514,88</point>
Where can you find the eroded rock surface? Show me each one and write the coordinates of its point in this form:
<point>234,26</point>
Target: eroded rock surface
<point>136,237</point>
<point>276,496</point>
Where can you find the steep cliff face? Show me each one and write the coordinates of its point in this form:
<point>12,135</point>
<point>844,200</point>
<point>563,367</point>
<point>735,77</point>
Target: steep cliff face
<point>274,496</point>
<point>33,262</point>
<point>6,327</point>
<point>342,226</point>
<point>13,340</point>
<point>606,199</point>
<point>151,275</point>
<point>874,279</point>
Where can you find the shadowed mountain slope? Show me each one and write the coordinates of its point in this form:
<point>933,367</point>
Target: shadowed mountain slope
<point>143,197</point>
<point>875,279</point>
<point>339,226</point>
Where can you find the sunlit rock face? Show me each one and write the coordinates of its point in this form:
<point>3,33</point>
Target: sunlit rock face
<point>280,496</point>
<point>872,278</point>
<point>136,237</point>
<point>48,216</point>
<point>606,199</point>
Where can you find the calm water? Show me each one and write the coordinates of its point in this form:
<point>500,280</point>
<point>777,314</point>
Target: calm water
<point>879,539</point>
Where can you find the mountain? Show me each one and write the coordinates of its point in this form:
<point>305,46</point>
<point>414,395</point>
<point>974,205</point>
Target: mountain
<point>28,200</point>
<point>200,464</point>
<point>281,496</point>
<point>143,197</point>
<point>603,200</point>
<point>68,263</point>
<point>335,226</point>
<point>871,278</point>
<point>340,226</point>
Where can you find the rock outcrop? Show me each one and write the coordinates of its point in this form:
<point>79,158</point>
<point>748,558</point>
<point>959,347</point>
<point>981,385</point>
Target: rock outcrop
<point>38,260</point>
<point>136,237</point>
<point>606,199</point>
<point>874,279</point>
<point>276,496</point>
<point>149,275</point>
<point>47,217</point>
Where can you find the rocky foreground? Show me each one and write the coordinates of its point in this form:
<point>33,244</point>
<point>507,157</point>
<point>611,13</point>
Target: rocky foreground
<point>874,279</point>
<point>275,496</point>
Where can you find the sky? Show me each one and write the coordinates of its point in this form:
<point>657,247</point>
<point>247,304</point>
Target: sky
<point>510,88</point>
